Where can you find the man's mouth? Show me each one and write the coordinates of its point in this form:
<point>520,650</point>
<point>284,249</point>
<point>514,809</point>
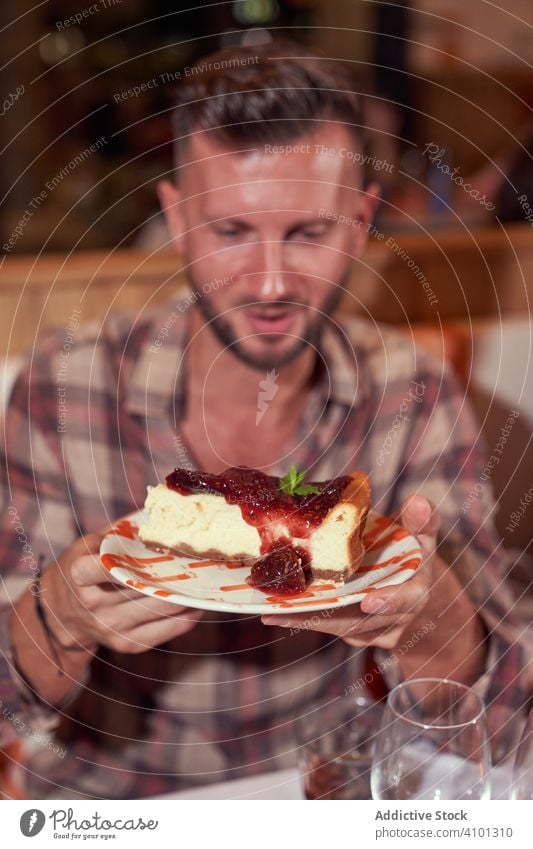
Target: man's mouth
<point>271,318</point>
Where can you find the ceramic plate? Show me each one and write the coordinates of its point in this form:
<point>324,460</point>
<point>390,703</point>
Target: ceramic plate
<point>392,556</point>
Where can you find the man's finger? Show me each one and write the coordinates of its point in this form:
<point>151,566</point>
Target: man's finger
<point>402,599</point>
<point>90,543</point>
<point>88,570</point>
<point>151,634</point>
<point>419,517</point>
<point>107,595</point>
<point>339,623</point>
<point>140,611</point>
<point>116,595</point>
<point>383,639</point>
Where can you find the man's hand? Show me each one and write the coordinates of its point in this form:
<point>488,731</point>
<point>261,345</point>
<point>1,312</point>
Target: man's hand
<point>384,614</point>
<point>454,647</point>
<point>86,608</point>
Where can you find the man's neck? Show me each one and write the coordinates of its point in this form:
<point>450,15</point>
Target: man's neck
<point>236,415</point>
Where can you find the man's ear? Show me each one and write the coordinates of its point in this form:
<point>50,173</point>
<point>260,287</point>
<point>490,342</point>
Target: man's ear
<point>171,204</point>
<point>368,201</point>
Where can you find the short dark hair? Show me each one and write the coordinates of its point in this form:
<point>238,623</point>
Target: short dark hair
<point>272,92</point>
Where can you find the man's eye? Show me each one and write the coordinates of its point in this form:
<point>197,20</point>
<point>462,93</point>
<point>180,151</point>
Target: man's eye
<point>314,232</point>
<point>227,231</point>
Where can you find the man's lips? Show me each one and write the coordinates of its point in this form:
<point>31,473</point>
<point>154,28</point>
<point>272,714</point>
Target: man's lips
<point>271,319</point>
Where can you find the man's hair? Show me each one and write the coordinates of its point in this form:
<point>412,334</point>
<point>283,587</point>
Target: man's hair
<point>268,93</point>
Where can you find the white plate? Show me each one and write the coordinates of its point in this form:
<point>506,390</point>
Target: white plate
<point>392,556</point>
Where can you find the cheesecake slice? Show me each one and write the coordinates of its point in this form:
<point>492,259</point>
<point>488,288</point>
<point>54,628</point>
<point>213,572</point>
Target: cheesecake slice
<point>287,537</point>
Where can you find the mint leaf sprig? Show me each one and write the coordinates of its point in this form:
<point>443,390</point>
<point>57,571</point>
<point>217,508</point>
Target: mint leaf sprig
<point>292,483</point>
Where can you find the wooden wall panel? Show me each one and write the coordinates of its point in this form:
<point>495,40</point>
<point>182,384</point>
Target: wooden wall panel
<point>480,274</point>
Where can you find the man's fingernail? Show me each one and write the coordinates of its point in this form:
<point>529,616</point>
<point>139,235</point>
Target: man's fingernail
<point>377,605</point>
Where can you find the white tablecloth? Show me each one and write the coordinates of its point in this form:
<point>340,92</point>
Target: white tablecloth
<point>285,784</point>
<point>282,784</point>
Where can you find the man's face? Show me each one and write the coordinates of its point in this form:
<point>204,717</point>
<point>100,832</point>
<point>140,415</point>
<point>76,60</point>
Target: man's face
<point>265,238</point>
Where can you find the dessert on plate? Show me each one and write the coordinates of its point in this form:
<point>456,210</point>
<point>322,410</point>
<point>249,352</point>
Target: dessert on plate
<point>287,531</point>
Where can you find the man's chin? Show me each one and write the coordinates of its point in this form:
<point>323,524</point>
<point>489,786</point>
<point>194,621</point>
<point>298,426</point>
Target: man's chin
<point>261,350</point>
<point>269,352</point>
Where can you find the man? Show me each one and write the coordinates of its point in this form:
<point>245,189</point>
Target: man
<point>257,208</point>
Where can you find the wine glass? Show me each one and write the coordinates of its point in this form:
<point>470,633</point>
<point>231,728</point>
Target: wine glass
<point>335,742</point>
<point>433,743</point>
<point>522,787</point>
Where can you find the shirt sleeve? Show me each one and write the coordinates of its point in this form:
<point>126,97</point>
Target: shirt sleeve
<point>447,461</point>
<point>36,519</point>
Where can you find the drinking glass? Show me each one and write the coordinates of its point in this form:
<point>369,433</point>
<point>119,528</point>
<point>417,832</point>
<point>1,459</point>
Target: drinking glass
<point>433,743</point>
<point>522,787</point>
<point>335,746</point>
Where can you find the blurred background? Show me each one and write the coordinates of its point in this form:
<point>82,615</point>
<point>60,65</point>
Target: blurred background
<point>455,74</point>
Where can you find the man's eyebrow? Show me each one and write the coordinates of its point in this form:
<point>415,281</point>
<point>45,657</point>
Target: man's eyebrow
<point>310,222</point>
<point>245,220</point>
<point>228,219</point>
<point>317,219</point>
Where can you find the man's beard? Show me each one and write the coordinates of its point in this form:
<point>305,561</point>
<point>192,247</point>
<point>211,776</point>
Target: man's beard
<point>261,362</point>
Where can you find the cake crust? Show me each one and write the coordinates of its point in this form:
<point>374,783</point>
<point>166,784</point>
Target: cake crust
<point>188,551</point>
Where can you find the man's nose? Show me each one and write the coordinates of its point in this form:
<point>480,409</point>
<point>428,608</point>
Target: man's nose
<point>270,270</point>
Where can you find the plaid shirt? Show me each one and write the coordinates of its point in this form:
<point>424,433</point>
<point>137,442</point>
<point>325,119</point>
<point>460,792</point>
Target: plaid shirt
<point>93,419</point>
